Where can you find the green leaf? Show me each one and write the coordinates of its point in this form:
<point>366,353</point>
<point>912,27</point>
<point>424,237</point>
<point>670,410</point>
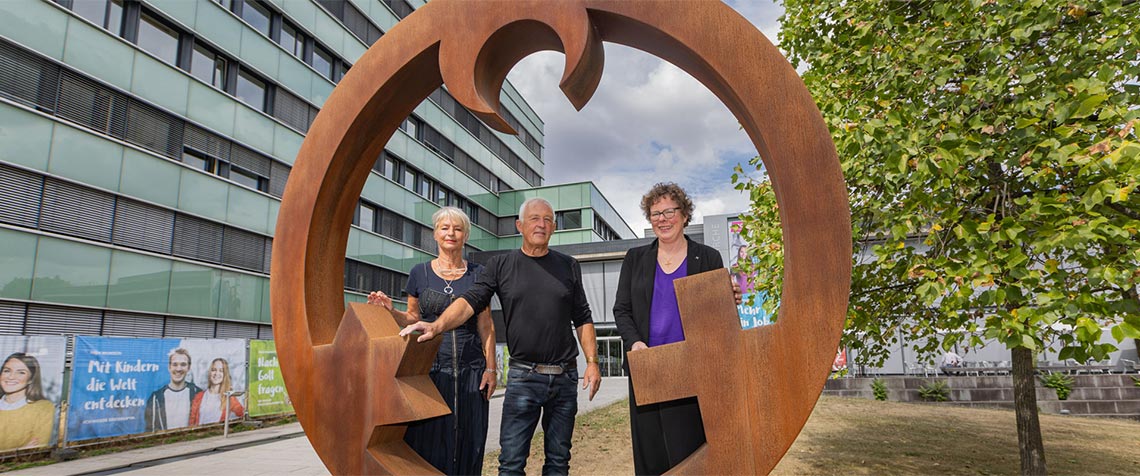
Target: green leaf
<point>1088,106</point>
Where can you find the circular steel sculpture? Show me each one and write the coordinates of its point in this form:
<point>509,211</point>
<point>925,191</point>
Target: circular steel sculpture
<point>355,384</point>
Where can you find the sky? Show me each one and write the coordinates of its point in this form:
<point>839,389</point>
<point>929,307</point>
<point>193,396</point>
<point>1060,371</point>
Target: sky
<point>648,122</point>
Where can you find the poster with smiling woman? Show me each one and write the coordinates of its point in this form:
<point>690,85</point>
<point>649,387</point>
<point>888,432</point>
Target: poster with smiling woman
<point>31,385</point>
<point>219,371</point>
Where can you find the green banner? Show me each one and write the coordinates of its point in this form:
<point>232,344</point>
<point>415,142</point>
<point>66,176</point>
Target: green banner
<point>266,387</point>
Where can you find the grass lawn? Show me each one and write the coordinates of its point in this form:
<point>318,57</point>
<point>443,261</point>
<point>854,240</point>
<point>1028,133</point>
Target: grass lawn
<point>853,436</point>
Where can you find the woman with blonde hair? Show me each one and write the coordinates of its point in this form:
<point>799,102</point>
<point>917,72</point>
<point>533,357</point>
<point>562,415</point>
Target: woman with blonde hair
<point>209,406</point>
<point>464,370</point>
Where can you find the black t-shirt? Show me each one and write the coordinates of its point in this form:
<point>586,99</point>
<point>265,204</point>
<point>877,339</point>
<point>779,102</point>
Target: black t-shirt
<point>542,297</point>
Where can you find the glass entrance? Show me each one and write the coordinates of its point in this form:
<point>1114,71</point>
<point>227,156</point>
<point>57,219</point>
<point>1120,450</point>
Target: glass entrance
<point>610,356</point>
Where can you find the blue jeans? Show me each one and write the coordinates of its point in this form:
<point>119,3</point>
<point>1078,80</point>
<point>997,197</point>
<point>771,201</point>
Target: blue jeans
<point>530,394</point>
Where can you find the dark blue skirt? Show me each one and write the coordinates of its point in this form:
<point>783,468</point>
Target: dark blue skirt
<point>454,443</point>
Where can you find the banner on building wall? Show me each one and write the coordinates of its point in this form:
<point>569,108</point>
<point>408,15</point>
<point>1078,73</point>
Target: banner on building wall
<point>31,389</point>
<point>122,386</point>
<point>267,395</point>
<point>752,315</point>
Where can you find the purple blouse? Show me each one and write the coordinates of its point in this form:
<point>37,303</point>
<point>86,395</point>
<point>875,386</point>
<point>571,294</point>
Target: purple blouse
<point>664,315</point>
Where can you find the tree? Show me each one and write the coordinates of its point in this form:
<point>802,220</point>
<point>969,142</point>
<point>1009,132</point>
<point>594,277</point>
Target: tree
<point>991,155</point>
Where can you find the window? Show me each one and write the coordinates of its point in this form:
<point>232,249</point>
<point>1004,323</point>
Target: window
<point>411,126</point>
<point>423,186</point>
<point>106,14</point>
<point>569,220</point>
<point>391,168</point>
<point>409,178</point>
<point>199,161</point>
<point>256,15</point>
<point>208,66</point>
<point>245,177</point>
<point>367,217</point>
<point>292,40</point>
<point>341,70</point>
<point>441,195</point>
<point>251,90</point>
<point>158,39</point>
<point>323,62</point>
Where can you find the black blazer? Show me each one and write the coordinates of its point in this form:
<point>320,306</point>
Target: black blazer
<point>635,286</point>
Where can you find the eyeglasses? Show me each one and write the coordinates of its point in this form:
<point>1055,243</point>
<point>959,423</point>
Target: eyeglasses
<point>667,214</point>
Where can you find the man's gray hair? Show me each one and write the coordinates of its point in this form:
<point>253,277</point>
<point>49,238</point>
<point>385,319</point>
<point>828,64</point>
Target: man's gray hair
<point>529,201</point>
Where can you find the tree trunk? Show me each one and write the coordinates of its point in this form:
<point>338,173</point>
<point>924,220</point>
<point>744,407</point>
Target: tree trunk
<point>1029,443</point>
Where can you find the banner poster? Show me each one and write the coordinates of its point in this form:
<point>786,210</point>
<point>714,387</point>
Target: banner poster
<point>123,385</point>
<point>31,389</point>
<point>267,395</point>
<point>754,315</point>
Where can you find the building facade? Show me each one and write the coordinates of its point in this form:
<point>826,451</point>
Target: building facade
<point>145,145</point>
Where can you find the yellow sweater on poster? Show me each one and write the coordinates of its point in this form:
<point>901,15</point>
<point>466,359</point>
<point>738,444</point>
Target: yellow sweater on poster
<point>28,426</point>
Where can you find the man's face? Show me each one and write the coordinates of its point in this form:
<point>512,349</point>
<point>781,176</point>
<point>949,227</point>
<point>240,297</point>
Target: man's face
<point>536,224</point>
<point>179,367</point>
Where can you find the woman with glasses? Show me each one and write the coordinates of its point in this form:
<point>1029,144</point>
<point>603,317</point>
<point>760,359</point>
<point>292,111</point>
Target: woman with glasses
<point>464,370</point>
<point>646,312</point>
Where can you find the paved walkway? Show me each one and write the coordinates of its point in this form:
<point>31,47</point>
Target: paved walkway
<point>271,451</point>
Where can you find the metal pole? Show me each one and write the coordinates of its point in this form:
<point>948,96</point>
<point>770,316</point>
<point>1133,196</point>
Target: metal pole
<point>226,428</point>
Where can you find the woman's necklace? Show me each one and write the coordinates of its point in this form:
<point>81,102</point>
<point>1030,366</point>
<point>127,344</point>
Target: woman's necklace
<point>455,272</point>
<point>669,257</point>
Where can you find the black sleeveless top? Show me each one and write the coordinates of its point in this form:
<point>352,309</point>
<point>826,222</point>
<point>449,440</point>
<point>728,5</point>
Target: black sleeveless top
<point>461,347</point>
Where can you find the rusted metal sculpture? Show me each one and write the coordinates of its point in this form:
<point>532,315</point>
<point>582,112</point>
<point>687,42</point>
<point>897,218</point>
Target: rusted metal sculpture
<point>355,385</point>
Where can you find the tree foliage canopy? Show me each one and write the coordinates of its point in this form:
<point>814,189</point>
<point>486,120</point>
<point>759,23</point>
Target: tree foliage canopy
<point>991,156</point>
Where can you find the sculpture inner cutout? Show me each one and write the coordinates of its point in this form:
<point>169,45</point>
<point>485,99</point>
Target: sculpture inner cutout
<point>356,385</point>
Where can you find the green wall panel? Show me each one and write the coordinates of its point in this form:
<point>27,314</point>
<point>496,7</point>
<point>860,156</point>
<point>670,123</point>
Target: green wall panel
<point>248,209</point>
<point>194,290</point>
<point>150,178</point>
<point>240,296</point>
<point>94,51</point>
<point>25,138</point>
<point>39,25</point>
<point>253,129</point>
<point>211,108</point>
<point>203,194</point>
<point>138,282</point>
<point>160,83</point>
<point>17,261</point>
<point>71,273</point>
<point>219,27</point>
<point>85,157</point>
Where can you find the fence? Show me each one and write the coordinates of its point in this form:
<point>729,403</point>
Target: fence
<point>62,391</point>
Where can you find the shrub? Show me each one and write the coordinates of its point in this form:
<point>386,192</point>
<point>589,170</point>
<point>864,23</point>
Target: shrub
<point>879,387</point>
<point>936,391</point>
<point>1062,383</point>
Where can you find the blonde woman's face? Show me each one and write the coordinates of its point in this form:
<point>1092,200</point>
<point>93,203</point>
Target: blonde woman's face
<point>450,235</point>
<point>217,373</point>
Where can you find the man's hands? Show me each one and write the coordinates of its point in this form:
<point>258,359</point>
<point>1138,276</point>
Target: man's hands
<point>428,329</point>
<point>639,345</point>
<point>489,382</point>
<point>592,378</point>
<point>736,294</point>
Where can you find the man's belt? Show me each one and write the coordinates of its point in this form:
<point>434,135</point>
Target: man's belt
<point>543,369</point>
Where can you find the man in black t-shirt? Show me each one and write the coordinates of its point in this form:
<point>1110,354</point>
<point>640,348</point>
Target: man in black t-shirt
<point>542,296</point>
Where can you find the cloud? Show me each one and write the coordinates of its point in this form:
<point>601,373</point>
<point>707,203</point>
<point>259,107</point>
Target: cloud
<point>648,122</point>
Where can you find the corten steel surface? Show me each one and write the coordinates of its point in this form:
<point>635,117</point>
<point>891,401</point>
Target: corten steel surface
<point>355,385</point>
